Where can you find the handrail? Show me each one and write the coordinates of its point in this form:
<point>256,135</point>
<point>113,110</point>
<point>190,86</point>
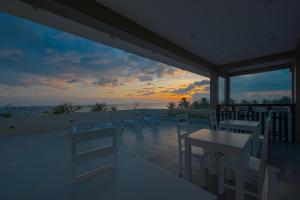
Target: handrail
<point>283,117</point>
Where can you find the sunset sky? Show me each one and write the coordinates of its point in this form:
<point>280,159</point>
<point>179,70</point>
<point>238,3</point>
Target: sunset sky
<point>40,65</point>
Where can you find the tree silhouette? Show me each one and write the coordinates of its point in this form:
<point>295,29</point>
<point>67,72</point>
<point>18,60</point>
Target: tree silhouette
<point>99,107</point>
<point>184,103</point>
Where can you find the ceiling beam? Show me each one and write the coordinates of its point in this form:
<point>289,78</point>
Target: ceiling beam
<point>257,60</point>
<point>99,17</point>
<point>266,68</point>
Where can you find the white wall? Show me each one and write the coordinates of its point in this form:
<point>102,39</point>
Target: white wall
<point>23,125</point>
<point>20,125</point>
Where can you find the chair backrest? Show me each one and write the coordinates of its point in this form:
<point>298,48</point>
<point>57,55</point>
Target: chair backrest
<point>85,126</point>
<point>264,152</point>
<point>242,111</point>
<point>92,154</point>
<point>270,188</point>
<point>182,122</point>
<point>213,119</point>
<point>82,126</point>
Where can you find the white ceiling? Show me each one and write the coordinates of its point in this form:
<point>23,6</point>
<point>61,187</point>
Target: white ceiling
<point>219,31</point>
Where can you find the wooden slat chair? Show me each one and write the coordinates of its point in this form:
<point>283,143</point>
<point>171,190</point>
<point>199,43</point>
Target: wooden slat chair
<point>79,158</point>
<point>82,126</point>
<point>198,154</point>
<point>255,168</point>
<point>270,189</point>
<point>213,119</point>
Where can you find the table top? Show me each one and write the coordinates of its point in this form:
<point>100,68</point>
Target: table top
<point>139,179</point>
<point>219,140</point>
<point>241,123</point>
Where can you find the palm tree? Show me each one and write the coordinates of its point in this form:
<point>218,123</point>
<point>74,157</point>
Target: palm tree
<point>114,108</point>
<point>265,101</point>
<point>244,101</point>
<point>171,108</point>
<point>184,103</point>
<point>255,102</point>
<point>99,107</point>
<point>284,100</point>
<point>171,105</point>
<point>204,103</point>
<point>66,108</point>
<point>232,101</point>
<point>6,115</point>
<point>136,105</point>
<point>196,105</point>
<point>11,111</point>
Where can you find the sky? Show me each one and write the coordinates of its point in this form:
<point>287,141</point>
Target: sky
<point>40,65</point>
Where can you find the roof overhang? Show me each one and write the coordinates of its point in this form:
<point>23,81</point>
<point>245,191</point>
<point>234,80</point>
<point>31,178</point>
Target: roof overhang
<point>91,19</point>
<point>261,64</point>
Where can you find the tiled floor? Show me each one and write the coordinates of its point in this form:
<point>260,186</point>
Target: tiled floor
<point>38,162</point>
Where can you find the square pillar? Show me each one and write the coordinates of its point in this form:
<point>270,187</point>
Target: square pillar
<point>227,90</point>
<point>296,97</point>
<point>214,91</point>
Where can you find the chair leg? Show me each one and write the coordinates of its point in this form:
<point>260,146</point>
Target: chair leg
<point>221,178</point>
<point>180,165</point>
<point>212,163</point>
<point>203,181</point>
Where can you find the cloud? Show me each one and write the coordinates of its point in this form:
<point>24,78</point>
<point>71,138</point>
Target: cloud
<point>273,94</point>
<point>10,52</point>
<point>164,91</point>
<point>143,92</point>
<point>145,78</point>
<point>147,93</point>
<point>107,82</point>
<point>86,67</point>
<point>73,81</point>
<point>202,85</point>
<point>59,60</point>
<point>275,80</point>
<point>53,54</point>
<point>198,96</point>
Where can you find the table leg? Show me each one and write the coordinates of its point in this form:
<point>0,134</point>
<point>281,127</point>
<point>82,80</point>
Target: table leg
<point>255,141</point>
<point>240,175</point>
<point>188,164</point>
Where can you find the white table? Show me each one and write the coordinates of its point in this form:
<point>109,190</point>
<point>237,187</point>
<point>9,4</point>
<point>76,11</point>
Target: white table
<point>138,179</point>
<point>232,144</point>
<point>244,125</point>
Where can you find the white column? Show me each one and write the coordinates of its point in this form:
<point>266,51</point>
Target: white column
<point>297,94</point>
<point>214,91</point>
<point>227,90</point>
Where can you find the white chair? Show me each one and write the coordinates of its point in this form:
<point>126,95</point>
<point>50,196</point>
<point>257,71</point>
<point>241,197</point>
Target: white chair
<point>137,119</point>
<point>82,126</point>
<point>255,168</point>
<point>270,190</point>
<point>261,137</point>
<point>198,154</point>
<point>79,158</point>
<point>213,119</point>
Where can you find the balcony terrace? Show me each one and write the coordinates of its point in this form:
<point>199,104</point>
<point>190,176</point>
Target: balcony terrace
<point>211,38</point>
<point>37,165</point>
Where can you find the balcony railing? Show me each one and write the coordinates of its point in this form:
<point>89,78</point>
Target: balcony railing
<point>283,117</point>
